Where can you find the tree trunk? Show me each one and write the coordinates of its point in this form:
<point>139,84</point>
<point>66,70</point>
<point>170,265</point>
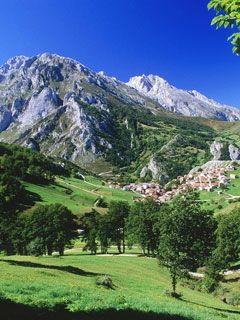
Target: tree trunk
<point>49,250</point>
<point>148,250</point>
<point>61,250</point>
<point>174,282</point>
<point>123,241</point>
<point>119,247</point>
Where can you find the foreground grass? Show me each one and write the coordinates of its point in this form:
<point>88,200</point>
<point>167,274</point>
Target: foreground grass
<point>140,285</point>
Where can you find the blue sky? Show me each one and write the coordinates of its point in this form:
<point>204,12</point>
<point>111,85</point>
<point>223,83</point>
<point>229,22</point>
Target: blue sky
<point>124,38</point>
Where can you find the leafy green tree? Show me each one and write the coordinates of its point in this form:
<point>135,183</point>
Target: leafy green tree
<point>228,15</point>
<point>117,213</point>
<point>186,235</point>
<point>96,227</point>
<point>39,231</point>
<point>12,194</point>
<point>21,234</point>
<point>63,226</point>
<point>52,228</point>
<point>104,232</point>
<point>141,225</point>
<point>89,223</point>
<point>228,238</point>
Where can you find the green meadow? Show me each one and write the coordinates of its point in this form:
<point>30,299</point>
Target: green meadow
<point>70,281</point>
<point>78,195</point>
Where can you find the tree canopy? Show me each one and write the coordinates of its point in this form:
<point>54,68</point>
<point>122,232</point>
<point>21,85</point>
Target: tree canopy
<point>186,235</point>
<point>228,15</point>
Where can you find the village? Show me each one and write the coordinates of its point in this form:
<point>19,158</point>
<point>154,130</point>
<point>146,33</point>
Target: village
<point>203,179</point>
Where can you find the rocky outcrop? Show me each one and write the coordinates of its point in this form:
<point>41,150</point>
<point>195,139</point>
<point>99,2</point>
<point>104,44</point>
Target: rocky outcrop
<point>215,149</point>
<point>157,170</point>
<point>234,152</point>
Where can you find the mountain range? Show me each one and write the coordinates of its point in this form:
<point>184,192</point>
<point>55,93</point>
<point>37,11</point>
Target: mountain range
<point>62,108</point>
<point>188,103</point>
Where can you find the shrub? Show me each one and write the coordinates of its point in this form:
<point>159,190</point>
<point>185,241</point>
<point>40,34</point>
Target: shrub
<point>233,298</point>
<point>105,281</point>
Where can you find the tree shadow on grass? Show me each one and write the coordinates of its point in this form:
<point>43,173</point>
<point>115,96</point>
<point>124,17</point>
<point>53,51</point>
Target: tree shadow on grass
<point>10,310</point>
<point>213,308</point>
<point>69,269</point>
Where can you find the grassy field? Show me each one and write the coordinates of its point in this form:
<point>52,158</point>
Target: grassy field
<point>78,195</point>
<point>140,285</point>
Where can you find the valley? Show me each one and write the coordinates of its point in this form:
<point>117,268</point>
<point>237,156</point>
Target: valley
<point>106,186</point>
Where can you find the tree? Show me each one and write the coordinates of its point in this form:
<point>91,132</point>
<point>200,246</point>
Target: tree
<point>21,234</point>
<point>227,248</point>
<point>186,235</point>
<point>12,194</point>
<point>104,232</point>
<point>63,226</point>
<point>228,238</point>
<point>89,223</point>
<point>228,15</point>
<point>52,227</point>
<point>117,214</point>
<point>40,234</point>
<point>141,225</point>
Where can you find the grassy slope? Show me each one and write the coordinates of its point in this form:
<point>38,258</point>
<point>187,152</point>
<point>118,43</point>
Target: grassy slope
<point>140,284</point>
<point>83,196</point>
<point>229,131</point>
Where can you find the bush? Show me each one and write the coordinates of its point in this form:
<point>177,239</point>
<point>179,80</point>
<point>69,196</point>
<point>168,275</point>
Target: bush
<point>233,298</point>
<point>105,281</point>
<point>101,203</point>
<point>68,191</point>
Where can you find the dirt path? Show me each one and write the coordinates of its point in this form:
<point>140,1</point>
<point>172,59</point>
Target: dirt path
<point>79,188</point>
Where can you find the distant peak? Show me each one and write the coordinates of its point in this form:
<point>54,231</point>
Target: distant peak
<point>145,83</point>
<point>17,60</point>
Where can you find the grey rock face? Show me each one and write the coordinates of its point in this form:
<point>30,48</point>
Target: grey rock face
<point>234,152</point>
<point>158,171</point>
<point>188,103</point>
<point>5,118</point>
<point>60,106</point>
<point>215,149</point>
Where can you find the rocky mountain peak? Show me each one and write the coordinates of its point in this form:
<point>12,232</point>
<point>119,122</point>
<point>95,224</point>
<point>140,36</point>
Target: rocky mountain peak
<point>60,107</point>
<point>188,103</point>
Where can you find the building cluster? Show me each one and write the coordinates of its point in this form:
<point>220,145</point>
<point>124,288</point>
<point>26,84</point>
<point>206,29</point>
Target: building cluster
<point>207,179</point>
